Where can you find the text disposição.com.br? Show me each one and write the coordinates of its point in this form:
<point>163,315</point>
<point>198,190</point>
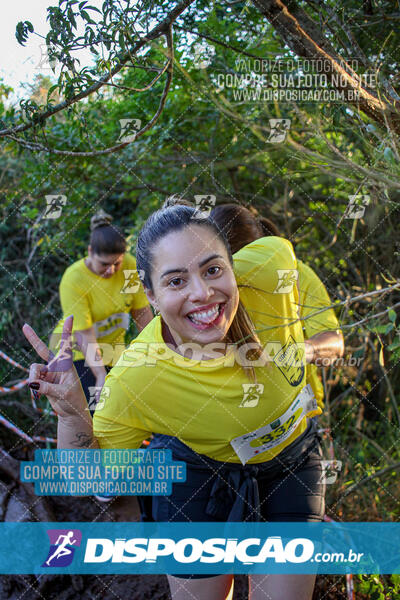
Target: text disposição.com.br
<point>212,551</point>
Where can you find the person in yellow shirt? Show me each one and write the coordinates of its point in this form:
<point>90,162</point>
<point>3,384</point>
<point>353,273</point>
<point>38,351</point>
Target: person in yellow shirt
<point>242,227</point>
<point>101,291</point>
<point>230,401</point>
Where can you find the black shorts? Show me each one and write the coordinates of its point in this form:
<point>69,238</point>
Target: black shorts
<point>87,380</point>
<point>290,489</point>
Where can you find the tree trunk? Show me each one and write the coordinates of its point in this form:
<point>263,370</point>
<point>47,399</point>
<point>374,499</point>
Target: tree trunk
<point>305,38</point>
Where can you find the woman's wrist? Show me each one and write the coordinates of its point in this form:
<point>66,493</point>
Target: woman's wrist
<point>76,431</point>
<point>310,351</point>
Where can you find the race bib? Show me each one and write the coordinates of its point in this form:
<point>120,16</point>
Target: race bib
<point>251,444</point>
<point>112,323</point>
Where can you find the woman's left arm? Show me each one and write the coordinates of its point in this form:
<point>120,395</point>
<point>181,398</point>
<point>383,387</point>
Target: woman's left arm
<point>323,348</point>
<point>324,341</point>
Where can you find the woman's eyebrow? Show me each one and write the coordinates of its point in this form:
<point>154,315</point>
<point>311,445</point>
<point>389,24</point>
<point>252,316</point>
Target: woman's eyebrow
<point>183,270</point>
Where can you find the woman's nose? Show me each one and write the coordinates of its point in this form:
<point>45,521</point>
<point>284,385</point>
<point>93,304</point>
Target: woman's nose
<point>199,290</point>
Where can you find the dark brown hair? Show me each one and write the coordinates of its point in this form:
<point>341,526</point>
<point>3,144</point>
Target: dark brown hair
<point>240,225</point>
<point>105,238</point>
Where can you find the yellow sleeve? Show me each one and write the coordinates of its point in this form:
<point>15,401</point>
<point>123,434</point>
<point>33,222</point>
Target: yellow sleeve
<point>313,297</point>
<point>74,301</point>
<point>139,299</point>
<point>257,263</point>
<point>117,421</point>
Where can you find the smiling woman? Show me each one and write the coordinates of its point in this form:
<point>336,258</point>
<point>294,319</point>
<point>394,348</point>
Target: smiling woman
<point>199,301</point>
<point>243,428</point>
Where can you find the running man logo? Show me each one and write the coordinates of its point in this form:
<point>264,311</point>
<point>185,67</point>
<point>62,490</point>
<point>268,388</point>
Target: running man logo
<point>47,60</point>
<point>203,54</point>
<point>98,397</point>
<point>204,205</point>
<point>61,551</point>
<point>279,129</point>
<point>63,360</point>
<point>132,281</point>
<point>129,129</point>
<point>356,206</point>
<point>290,361</point>
<point>251,394</point>
<point>54,206</point>
<point>330,470</point>
<point>286,280</point>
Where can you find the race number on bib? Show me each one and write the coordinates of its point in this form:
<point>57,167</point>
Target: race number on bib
<point>255,442</point>
<point>111,323</point>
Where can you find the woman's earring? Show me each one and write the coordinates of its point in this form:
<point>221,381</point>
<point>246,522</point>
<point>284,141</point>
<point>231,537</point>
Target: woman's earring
<point>156,312</point>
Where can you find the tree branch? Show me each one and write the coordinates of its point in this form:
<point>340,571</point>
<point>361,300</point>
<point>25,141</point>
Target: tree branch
<point>304,37</point>
<point>352,488</point>
<point>34,146</point>
<point>155,33</point>
<point>346,302</point>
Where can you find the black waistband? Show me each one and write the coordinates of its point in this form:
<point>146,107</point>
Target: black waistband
<point>235,482</point>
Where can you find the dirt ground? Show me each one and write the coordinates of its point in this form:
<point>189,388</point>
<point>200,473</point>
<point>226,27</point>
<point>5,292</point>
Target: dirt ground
<point>115,587</point>
<point>19,503</point>
<point>124,587</point>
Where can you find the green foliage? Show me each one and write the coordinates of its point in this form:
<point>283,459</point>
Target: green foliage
<point>206,142</point>
<point>22,31</point>
<point>374,589</point>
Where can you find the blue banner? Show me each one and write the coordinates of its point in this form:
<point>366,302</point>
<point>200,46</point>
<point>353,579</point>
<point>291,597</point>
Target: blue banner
<point>82,472</point>
<point>201,548</point>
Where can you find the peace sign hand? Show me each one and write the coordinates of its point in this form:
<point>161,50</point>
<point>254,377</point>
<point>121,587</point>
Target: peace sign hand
<point>58,379</point>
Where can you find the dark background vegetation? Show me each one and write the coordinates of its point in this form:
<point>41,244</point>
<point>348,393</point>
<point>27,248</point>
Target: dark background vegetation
<point>206,143</point>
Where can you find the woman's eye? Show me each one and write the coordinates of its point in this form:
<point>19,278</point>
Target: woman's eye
<point>175,282</point>
<point>213,270</point>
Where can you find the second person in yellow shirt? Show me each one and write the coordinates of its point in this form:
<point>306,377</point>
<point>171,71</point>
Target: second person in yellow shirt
<point>101,291</point>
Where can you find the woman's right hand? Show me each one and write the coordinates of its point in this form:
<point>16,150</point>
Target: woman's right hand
<point>58,379</point>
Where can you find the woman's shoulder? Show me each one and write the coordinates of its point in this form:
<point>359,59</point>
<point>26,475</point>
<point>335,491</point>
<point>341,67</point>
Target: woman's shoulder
<point>263,247</point>
<point>142,347</point>
<point>129,261</point>
<point>306,272</point>
<point>75,272</point>
<point>264,256</point>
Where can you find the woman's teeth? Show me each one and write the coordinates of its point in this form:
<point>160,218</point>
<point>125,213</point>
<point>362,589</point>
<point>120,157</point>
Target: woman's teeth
<point>207,316</point>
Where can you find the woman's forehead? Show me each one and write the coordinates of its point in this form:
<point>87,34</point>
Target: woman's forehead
<point>109,258</point>
<point>188,246</point>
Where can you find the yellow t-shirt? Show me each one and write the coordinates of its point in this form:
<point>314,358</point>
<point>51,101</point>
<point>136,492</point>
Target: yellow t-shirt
<point>152,389</point>
<point>102,303</point>
<point>313,296</point>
